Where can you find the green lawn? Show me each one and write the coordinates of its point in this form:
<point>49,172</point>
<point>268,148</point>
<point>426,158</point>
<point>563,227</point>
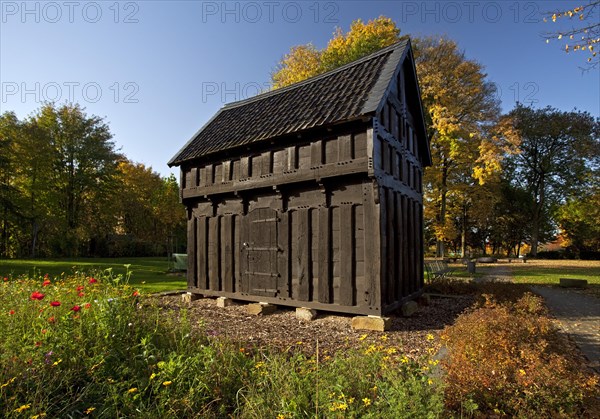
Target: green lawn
<point>147,274</point>
<point>550,271</point>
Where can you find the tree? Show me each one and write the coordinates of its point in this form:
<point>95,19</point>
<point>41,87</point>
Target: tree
<point>149,211</point>
<point>557,152</point>
<point>84,161</point>
<point>582,36</point>
<point>305,61</point>
<point>467,139</point>
<point>460,105</point>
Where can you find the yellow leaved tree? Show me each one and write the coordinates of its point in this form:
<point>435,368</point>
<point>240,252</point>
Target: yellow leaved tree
<point>461,108</point>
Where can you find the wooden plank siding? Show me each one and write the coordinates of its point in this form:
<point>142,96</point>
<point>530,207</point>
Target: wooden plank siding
<point>331,221</point>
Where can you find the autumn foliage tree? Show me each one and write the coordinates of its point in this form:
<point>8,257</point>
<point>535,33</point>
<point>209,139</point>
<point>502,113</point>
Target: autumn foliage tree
<point>467,140</point>
<point>66,191</point>
<point>304,61</point>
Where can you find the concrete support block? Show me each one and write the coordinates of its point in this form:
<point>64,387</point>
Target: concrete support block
<point>409,308</point>
<point>188,297</point>
<point>258,309</point>
<point>306,314</point>
<point>223,302</point>
<point>378,324</point>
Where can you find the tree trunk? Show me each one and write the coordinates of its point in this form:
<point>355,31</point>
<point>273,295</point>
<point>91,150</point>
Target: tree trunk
<point>34,237</point>
<point>538,207</point>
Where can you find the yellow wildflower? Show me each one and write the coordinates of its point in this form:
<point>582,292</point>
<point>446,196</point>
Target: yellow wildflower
<point>132,390</point>
<point>363,337</point>
<point>522,372</point>
<point>384,338</point>
<point>366,401</point>
<point>24,407</point>
<point>167,383</point>
<point>89,410</point>
<point>152,377</point>
<point>430,336</point>
<point>280,416</point>
<point>404,360</point>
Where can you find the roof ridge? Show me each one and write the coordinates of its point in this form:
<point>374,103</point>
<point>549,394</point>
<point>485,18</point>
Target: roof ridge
<point>317,77</point>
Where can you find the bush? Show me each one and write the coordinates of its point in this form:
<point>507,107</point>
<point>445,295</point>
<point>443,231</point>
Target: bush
<point>507,358</point>
<point>76,346</point>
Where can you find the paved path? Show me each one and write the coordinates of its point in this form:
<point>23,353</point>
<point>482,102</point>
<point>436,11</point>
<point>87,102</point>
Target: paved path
<point>577,313</point>
<point>579,316</point>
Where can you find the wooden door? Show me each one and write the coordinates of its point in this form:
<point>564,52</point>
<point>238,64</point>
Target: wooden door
<point>260,273</point>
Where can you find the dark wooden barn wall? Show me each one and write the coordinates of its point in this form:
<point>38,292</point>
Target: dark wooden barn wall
<point>323,238</point>
<point>331,223</point>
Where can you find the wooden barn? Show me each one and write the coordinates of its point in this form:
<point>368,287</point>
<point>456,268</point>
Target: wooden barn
<point>311,195</point>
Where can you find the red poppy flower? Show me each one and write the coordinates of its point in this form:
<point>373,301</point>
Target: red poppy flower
<point>55,303</point>
<point>46,283</point>
<point>5,279</point>
<point>87,305</point>
<point>76,308</point>
<point>51,319</point>
<point>81,294</point>
<point>38,344</point>
<point>37,295</point>
<point>11,312</point>
<point>93,280</point>
<point>135,293</point>
<point>79,288</point>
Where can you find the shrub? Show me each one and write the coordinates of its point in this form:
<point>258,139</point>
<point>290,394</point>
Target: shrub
<point>507,358</point>
<point>76,346</point>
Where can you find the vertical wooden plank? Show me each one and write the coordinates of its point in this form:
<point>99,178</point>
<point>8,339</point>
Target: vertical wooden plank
<point>411,246</point>
<point>348,280</point>
<point>399,244</point>
<point>372,247</point>
<point>391,247</point>
<point>214,250</point>
<point>325,255</point>
<point>227,253</point>
<point>292,157</point>
<point>384,241</point>
<point>243,258</point>
<point>284,254</point>
<point>406,245</point>
<point>244,167</point>
<point>316,153</point>
<point>236,252</point>
<point>370,151</point>
<point>208,177</point>
<point>266,163</point>
<point>191,252</point>
<point>303,255</point>
<point>201,253</point>
<point>345,151</point>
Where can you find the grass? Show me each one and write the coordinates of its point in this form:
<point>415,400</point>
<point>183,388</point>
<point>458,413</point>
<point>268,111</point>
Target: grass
<point>538,271</point>
<point>148,274</point>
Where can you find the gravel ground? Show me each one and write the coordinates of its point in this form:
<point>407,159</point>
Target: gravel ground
<point>282,330</point>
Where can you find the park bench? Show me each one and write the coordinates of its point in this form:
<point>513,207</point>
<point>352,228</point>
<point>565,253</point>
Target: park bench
<point>437,269</point>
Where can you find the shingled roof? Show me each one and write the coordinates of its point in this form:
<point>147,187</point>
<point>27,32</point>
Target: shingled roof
<point>348,92</point>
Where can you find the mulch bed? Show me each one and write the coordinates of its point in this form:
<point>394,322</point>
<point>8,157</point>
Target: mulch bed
<point>283,331</point>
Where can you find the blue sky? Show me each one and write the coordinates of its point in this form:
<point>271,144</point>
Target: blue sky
<point>158,70</point>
